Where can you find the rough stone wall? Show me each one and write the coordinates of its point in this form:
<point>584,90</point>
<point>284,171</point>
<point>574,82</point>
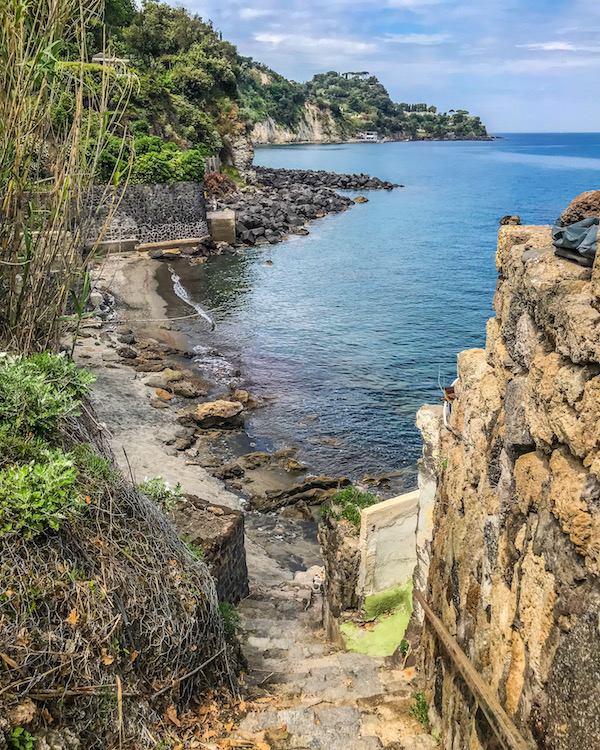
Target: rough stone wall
<point>515,555</point>
<point>151,213</point>
<point>341,561</point>
<point>219,531</point>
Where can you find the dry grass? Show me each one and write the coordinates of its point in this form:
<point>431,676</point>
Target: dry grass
<point>47,162</point>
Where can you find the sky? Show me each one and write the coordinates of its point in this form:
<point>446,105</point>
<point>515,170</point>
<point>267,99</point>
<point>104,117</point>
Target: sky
<point>521,65</point>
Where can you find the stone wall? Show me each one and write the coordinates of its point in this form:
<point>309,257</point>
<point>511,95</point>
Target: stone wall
<point>219,532</point>
<point>151,213</point>
<point>341,561</point>
<point>515,554</point>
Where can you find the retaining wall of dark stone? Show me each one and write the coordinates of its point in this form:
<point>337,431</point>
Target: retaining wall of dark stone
<point>151,213</point>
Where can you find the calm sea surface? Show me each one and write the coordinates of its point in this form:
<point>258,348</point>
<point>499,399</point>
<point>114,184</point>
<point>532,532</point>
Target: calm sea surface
<point>354,327</point>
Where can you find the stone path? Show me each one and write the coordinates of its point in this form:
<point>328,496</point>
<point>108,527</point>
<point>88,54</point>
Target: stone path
<point>307,693</point>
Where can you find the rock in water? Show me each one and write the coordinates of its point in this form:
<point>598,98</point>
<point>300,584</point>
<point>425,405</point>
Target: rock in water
<point>218,413</point>
<point>361,199</point>
<point>508,219</point>
<point>585,205</point>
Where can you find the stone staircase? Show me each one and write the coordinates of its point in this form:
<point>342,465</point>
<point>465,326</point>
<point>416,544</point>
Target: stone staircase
<point>303,692</point>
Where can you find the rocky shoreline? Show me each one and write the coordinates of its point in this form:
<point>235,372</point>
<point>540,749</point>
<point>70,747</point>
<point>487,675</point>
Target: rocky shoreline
<point>277,203</point>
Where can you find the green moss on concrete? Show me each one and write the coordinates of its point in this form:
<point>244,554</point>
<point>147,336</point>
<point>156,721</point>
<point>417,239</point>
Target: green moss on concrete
<point>388,629</point>
<point>386,601</point>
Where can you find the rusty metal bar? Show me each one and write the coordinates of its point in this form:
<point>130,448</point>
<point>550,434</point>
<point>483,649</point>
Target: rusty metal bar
<point>498,719</point>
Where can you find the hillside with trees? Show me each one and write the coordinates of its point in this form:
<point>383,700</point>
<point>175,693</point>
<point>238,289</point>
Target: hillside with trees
<point>196,93</point>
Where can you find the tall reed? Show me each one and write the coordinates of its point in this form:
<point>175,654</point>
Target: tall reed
<point>55,117</point>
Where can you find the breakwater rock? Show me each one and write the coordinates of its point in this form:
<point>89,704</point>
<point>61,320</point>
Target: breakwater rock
<point>280,178</point>
<point>283,200</point>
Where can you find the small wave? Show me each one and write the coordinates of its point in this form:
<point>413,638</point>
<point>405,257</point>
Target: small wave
<point>182,293</point>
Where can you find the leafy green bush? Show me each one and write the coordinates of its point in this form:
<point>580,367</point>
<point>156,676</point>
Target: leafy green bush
<point>230,617</point>
<point>152,167</point>
<point>140,127</point>
<point>38,392</point>
<point>188,165</point>
<point>36,496</point>
<point>347,505</point>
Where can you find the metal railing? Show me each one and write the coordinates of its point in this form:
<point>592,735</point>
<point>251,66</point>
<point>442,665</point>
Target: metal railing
<point>498,719</point>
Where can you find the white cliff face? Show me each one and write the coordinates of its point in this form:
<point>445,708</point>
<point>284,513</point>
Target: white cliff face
<point>316,126</point>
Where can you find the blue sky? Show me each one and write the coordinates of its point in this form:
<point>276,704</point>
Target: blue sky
<point>522,65</point>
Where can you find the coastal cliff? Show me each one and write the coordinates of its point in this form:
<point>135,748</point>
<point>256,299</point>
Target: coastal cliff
<point>515,553</point>
<point>315,125</point>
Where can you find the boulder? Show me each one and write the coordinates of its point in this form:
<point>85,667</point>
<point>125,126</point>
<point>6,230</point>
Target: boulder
<point>218,413</point>
<point>162,379</point>
<point>508,219</point>
<point>585,205</point>
<point>185,389</point>
<point>361,199</point>
<point>313,491</point>
<point>164,395</point>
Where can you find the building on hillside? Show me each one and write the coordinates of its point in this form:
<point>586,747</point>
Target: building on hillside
<point>368,135</point>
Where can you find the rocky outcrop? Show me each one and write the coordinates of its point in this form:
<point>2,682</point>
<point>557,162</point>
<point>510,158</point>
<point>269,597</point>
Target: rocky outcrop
<point>585,205</point>
<point>315,126</point>
<point>515,556</point>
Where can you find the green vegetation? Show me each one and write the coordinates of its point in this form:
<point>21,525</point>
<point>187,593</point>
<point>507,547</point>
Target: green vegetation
<point>195,93</point>
<point>20,739</point>
<point>347,504</point>
<point>39,482</point>
<point>420,708</point>
<point>365,104</point>
<point>160,491</point>
<point>230,617</point>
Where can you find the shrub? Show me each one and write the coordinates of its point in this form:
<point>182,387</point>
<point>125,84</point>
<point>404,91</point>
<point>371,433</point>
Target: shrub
<point>152,167</point>
<point>140,127</point>
<point>38,392</point>
<point>347,505</point>
<point>217,184</point>
<point>37,496</point>
<point>188,165</point>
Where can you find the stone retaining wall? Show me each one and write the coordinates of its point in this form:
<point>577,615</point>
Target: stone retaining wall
<point>151,213</point>
<point>219,532</point>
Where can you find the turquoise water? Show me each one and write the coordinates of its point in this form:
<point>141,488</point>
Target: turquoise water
<point>353,327</point>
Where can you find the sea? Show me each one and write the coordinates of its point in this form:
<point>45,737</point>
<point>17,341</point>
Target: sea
<point>356,325</point>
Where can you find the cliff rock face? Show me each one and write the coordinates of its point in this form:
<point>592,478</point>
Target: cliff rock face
<point>515,555</point>
<point>316,125</point>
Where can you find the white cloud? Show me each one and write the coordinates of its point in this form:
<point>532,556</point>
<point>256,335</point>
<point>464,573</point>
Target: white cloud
<point>327,46</point>
<point>423,39</point>
<point>248,14</point>
<point>559,47</point>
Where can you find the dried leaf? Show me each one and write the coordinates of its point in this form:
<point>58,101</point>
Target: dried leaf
<point>172,715</point>
<point>134,656</point>
<point>107,659</point>
<point>229,727</point>
<point>11,662</point>
<point>73,617</point>
<point>87,499</point>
